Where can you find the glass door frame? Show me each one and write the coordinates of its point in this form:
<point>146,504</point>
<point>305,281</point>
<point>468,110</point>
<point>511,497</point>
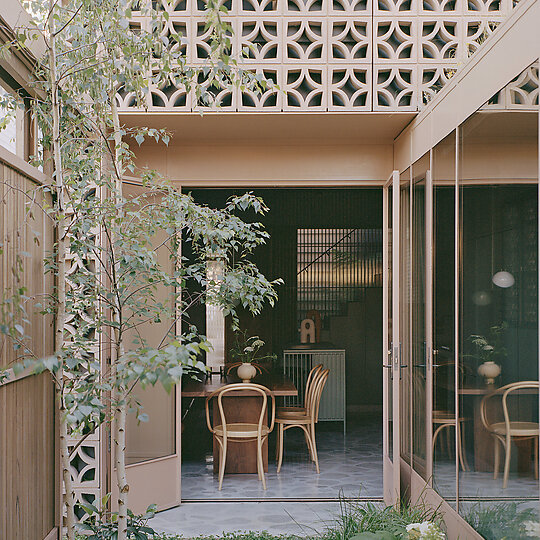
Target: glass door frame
<point>428,323</point>
<point>392,354</point>
<point>391,358</point>
<point>430,261</point>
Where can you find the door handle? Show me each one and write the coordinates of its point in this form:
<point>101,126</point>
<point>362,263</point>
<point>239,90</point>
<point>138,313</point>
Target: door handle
<point>388,354</point>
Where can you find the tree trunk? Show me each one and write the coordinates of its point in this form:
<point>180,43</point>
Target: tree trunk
<point>69,499</point>
<point>120,401</point>
<point>120,463</point>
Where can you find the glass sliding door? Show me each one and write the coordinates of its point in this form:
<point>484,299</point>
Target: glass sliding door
<point>405,315</point>
<point>391,357</point>
<point>469,316</point>
<point>497,376</point>
<point>443,392</point>
<point>420,304</point>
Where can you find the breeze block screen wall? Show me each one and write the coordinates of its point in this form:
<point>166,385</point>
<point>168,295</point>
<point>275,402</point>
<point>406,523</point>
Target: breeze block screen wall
<point>334,55</point>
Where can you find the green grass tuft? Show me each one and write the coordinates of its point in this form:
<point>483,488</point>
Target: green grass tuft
<point>358,518</point>
<point>502,521</point>
<point>354,518</point>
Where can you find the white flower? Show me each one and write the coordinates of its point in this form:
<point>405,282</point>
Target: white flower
<point>532,528</point>
<point>425,531</point>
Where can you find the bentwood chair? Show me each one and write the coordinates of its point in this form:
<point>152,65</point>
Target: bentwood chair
<point>447,420</point>
<point>444,419</point>
<point>304,419</point>
<point>285,412</point>
<point>282,411</point>
<point>504,432</point>
<point>238,431</point>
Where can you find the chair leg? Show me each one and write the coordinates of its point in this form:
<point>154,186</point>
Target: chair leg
<point>260,465</point>
<point>307,436</point>
<point>314,445</point>
<point>308,444</point>
<point>508,450</point>
<point>277,442</point>
<point>461,445</point>
<point>497,457</point>
<point>281,436</point>
<point>222,462</point>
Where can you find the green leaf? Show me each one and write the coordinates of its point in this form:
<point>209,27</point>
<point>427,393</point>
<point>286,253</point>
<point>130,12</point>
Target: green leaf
<point>378,535</point>
<point>18,369</point>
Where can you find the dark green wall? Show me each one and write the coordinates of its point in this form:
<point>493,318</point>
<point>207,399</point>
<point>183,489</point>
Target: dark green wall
<point>291,209</point>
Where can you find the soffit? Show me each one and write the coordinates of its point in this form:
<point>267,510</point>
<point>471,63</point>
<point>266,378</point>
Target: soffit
<point>500,127</point>
<point>279,128</point>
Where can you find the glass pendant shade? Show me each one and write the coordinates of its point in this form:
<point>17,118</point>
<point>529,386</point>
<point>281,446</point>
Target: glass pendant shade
<point>503,279</point>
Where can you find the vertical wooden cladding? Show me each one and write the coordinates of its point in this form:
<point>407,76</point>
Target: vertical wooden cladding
<point>27,459</point>
<point>27,407</point>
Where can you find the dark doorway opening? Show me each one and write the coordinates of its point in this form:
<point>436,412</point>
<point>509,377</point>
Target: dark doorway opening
<point>326,244</point>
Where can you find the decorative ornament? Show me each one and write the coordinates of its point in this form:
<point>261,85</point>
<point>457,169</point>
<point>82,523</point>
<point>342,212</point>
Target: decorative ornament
<point>307,331</point>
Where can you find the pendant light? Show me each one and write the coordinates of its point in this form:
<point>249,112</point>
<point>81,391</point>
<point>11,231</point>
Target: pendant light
<point>503,279</point>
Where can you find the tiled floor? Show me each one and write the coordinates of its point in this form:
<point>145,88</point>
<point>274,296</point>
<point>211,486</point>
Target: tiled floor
<point>350,465</point>
<point>481,484</point>
<point>198,519</point>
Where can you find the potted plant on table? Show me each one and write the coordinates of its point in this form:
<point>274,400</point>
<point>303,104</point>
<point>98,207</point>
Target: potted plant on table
<point>489,349</point>
<point>248,356</point>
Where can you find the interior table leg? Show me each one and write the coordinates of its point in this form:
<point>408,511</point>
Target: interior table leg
<point>524,450</point>
<point>241,456</point>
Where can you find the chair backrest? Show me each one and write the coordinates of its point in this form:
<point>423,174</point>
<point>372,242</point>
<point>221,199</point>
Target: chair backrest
<point>241,388</point>
<point>315,370</point>
<point>503,393</point>
<point>314,399</point>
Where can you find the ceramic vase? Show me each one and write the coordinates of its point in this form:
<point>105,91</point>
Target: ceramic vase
<point>246,372</point>
<point>489,370</point>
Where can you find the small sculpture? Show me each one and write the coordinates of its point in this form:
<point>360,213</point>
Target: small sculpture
<point>316,317</point>
<point>307,331</point>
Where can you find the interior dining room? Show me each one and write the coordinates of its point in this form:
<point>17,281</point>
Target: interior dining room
<point>326,247</point>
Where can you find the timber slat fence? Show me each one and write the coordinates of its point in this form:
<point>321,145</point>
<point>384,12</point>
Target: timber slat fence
<point>28,477</point>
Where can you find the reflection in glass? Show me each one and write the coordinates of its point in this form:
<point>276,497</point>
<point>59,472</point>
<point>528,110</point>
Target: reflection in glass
<point>498,337</point>
<point>498,314</point>
<point>405,266</point>
<point>387,359</point>
<point>418,364</point>
<point>444,388</point>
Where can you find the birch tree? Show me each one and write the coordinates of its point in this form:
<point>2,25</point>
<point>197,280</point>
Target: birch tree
<point>91,55</point>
